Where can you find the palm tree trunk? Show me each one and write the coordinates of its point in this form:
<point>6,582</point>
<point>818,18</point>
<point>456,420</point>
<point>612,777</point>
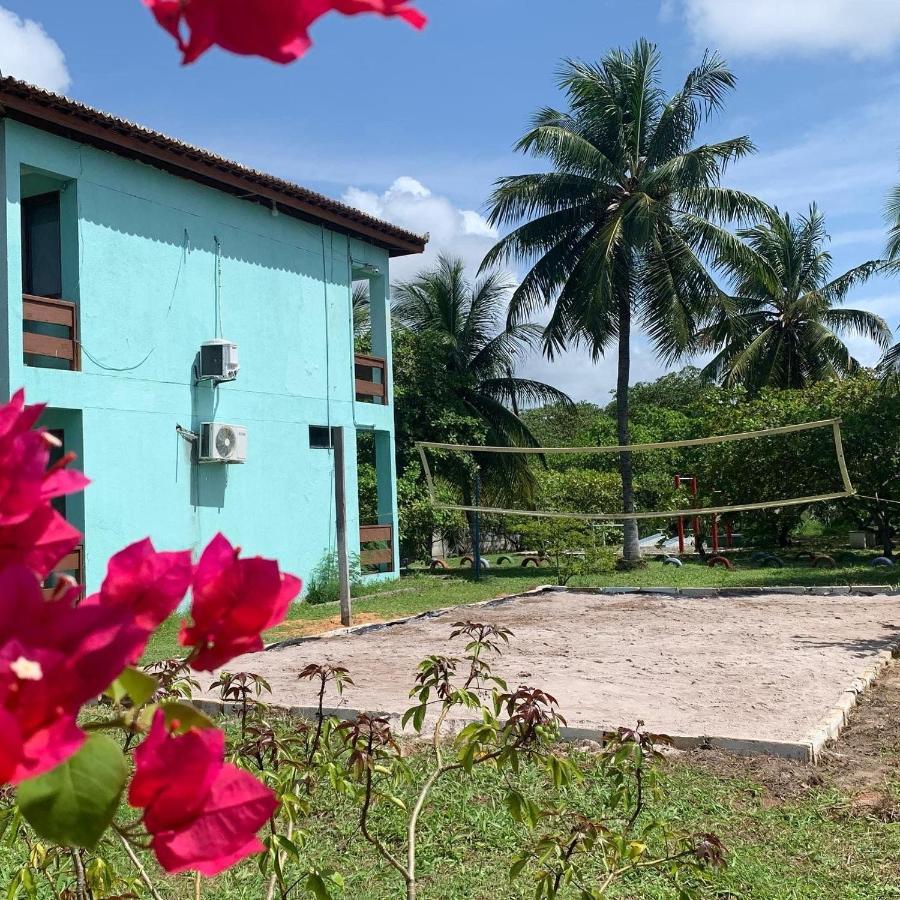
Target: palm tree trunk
<point>631,549</point>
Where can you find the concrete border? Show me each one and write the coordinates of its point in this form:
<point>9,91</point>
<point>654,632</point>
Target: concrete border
<point>808,750</point>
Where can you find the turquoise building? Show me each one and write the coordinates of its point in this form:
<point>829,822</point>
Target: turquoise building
<point>126,251</point>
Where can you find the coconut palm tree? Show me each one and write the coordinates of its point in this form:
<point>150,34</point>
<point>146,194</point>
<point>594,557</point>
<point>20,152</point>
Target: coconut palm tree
<point>782,327</point>
<point>618,230</point>
<point>889,367</point>
<point>360,305</point>
<point>470,344</point>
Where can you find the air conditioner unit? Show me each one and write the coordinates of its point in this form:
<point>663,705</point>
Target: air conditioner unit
<point>218,360</point>
<point>221,443</point>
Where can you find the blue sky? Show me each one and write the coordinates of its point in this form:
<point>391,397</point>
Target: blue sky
<point>416,126</point>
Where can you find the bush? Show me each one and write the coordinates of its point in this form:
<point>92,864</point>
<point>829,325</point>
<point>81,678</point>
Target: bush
<point>324,585</point>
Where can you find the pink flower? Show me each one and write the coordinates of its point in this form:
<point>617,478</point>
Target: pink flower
<point>148,584</point>
<point>39,542</point>
<point>234,601</point>
<point>25,481</point>
<point>54,657</point>
<point>201,812</point>
<point>274,29</point>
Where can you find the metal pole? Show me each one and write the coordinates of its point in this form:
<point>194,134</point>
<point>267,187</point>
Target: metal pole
<point>680,522</point>
<point>337,437</point>
<point>476,531</point>
<point>696,518</point>
<point>715,533</point>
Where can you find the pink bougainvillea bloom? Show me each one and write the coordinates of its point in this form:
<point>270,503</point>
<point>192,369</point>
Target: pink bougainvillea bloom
<point>26,482</point>
<point>273,29</point>
<point>54,657</point>
<point>202,813</point>
<point>39,542</point>
<point>234,601</point>
<point>148,584</point>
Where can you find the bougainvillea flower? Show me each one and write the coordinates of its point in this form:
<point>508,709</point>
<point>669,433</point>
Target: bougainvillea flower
<point>148,584</point>
<point>26,482</point>
<point>273,29</point>
<point>234,601</point>
<point>54,657</point>
<point>202,813</point>
<point>39,542</point>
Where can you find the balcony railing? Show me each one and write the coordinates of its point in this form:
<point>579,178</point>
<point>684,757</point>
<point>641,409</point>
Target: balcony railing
<point>71,564</point>
<point>376,544</point>
<point>371,379</point>
<point>57,334</point>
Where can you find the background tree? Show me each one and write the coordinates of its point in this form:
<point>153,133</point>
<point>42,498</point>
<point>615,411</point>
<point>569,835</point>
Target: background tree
<point>621,225</point>
<point>455,379</point>
<point>781,327</point>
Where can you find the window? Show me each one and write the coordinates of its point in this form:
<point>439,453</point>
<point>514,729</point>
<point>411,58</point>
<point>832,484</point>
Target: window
<point>41,246</point>
<point>321,438</point>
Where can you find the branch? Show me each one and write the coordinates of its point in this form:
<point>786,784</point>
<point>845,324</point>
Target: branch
<point>139,866</point>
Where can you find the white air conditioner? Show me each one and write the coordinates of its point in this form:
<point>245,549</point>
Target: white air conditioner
<point>218,360</point>
<point>221,443</point>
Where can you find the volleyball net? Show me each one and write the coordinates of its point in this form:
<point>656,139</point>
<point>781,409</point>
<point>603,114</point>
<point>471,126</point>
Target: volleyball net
<point>789,465</point>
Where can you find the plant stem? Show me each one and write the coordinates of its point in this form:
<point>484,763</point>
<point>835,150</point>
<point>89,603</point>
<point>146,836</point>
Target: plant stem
<point>196,886</point>
<point>140,867</point>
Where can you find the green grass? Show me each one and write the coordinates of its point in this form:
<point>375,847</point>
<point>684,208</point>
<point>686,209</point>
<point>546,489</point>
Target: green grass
<point>810,848</point>
<point>421,592</point>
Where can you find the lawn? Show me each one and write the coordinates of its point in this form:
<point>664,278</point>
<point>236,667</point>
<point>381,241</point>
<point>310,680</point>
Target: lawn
<point>793,832</point>
<point>419,592</point>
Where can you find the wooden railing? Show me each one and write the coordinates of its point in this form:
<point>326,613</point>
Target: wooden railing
<point>59,313</point>
<point>371,379</point>
<point>383,554</point>
<point>71,564</point>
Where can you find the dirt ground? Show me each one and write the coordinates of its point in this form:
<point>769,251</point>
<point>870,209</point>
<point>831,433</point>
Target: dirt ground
<point>864,763</point>
<point>766,667</point>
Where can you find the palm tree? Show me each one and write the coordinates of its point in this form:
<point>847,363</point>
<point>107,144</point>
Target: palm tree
<point>468,342</point>
<point>360,304</point>
<point>781,328</point>
<point>889,367</point>
<point>620,227</point>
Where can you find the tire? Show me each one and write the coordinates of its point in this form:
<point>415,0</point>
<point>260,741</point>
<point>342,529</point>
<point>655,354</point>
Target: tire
<point>436,564</point>
<point>672,561</point>
<point>882,561</point>
<point>722,561</point>
<point>530,561</point>
<point>504,560</point>
<point>772,562</point>
<point>823,561</point>
<point>760,555</point>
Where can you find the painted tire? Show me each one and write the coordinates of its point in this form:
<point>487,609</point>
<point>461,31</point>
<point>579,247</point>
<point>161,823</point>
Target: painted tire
<point>530,561</point>
<point>805,554</point>
<point>759,556</point>
<point>772,562</point>
<point>823,561</point>
<point>882,561</point>
<point>468,561</point>
<point>673,561</point>
<point>504,560</point>
<point>437,564</point>
<point>720,561</point>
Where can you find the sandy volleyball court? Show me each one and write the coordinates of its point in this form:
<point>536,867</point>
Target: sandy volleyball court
<point>767,667</point>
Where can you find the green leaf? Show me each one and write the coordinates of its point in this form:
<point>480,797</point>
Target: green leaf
<point>136,686</point>
<point>316,885</point>
<point>74,803</point>
<point>185,715</point>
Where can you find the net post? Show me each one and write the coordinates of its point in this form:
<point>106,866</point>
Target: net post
<point>476,536</point>
<point>842,462</point>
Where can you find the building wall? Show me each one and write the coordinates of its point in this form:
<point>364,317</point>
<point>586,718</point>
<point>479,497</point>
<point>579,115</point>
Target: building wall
<point>157,265</point>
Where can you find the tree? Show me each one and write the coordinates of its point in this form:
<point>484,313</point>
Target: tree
<point>468,357</point>
<point>621,226</point>
<point>781,327</point>
<point>889,367</point>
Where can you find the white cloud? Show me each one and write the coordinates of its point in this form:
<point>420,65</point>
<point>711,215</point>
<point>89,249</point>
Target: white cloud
<point>410,204</point>
<point>27,52</point>
<point>765,27</point>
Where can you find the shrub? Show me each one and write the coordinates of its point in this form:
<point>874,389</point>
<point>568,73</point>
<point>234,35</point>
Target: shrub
<point>324,585</point>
